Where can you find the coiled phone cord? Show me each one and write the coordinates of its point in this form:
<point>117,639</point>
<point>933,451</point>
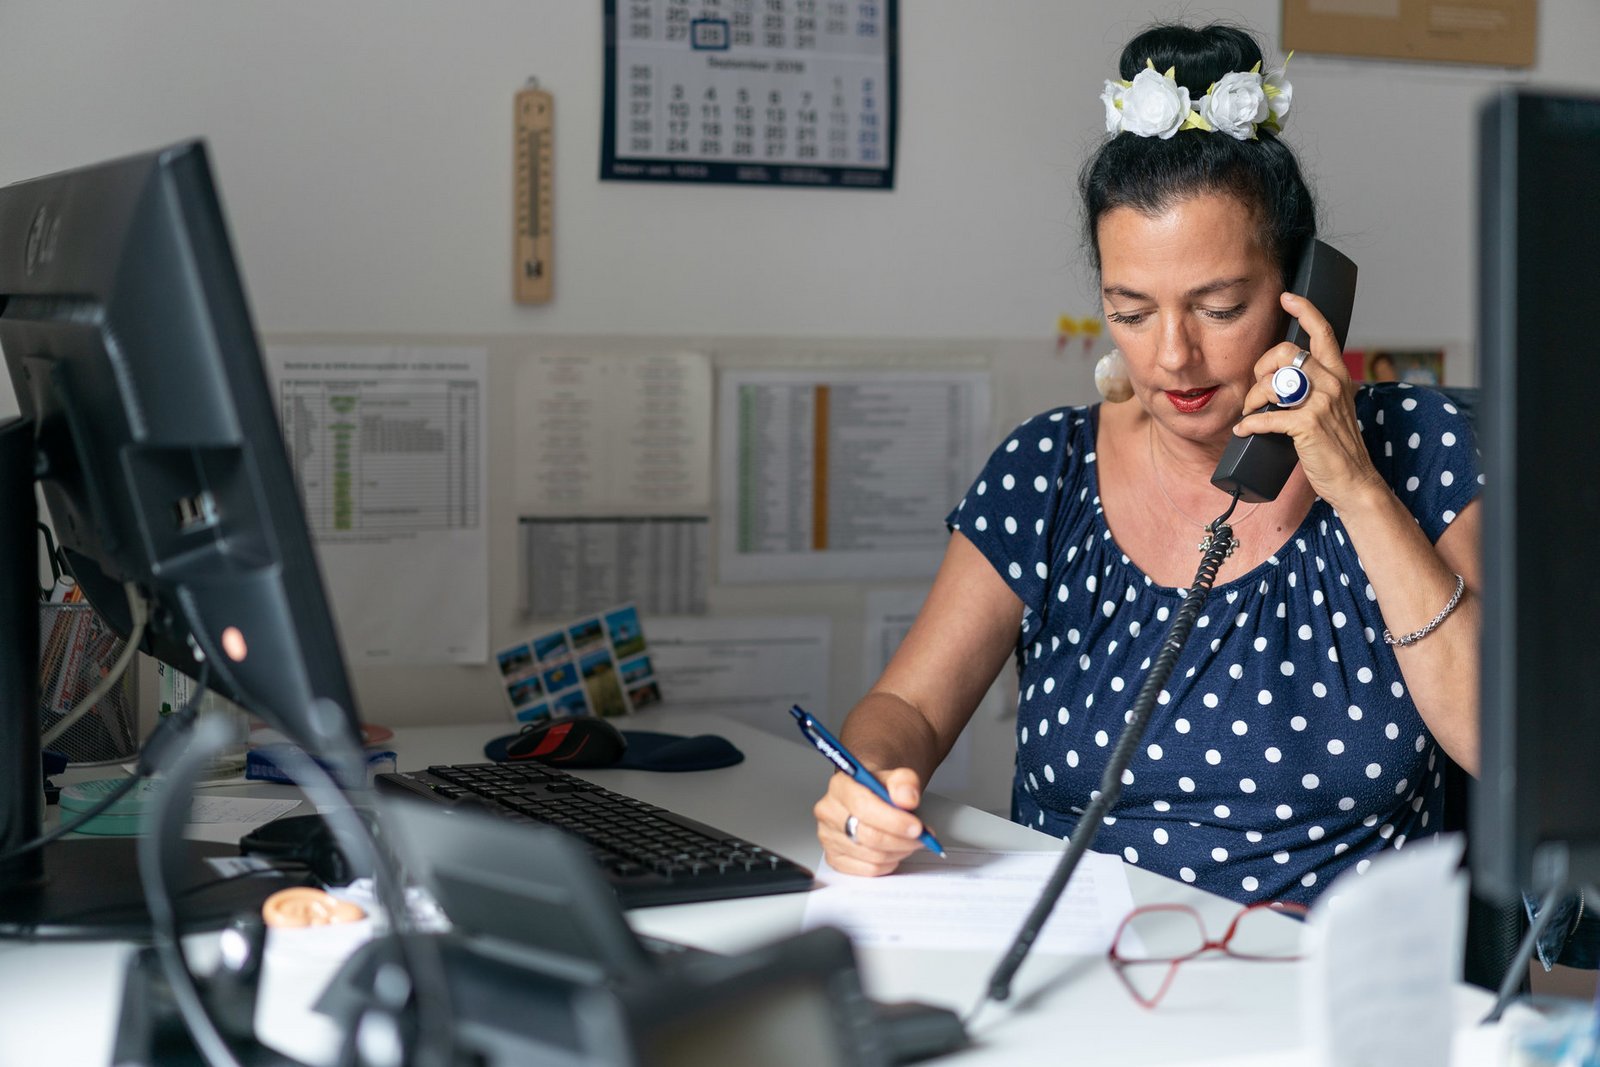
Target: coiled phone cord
<point>1217,547</point>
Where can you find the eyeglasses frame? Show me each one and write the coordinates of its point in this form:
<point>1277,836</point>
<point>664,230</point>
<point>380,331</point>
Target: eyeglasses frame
<point>1120,964</point>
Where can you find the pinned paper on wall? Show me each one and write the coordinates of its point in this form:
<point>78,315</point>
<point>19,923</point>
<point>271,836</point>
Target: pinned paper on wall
<point>613,482</point>
<point>569,566</point>
<point>840,475</point>
<point>749,668</point>
<point>613,434</point>
<point>388,448</point>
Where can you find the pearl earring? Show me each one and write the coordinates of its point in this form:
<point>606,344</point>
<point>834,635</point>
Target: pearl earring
<point>1111,377</point>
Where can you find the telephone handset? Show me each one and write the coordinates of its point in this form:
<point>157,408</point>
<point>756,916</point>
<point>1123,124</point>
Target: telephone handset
<point>1256,467</point>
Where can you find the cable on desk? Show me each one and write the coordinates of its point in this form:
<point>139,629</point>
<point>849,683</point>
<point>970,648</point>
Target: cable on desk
<point>419,956</point>
<point>157,847</point>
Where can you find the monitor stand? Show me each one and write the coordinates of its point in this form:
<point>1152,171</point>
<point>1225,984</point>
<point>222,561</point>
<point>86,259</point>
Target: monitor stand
<point>89,889</point>
<point>78,888</point>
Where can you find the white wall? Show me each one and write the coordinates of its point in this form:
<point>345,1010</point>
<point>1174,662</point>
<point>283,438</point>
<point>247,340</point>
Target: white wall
<point>363,149</point>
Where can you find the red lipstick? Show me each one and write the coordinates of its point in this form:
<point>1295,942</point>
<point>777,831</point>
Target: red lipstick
<point>1191,400</point>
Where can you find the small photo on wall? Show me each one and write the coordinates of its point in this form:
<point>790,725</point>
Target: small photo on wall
<point>536,713</point>
<point>525,692</point>
<point>1418,366</point>
<point>514,661</point>
<point>569,704</point>
<point>560,676</point>
<point>596,665</point>
<point>600,679</point>
<point>627,636</point>
<point>635,670</point>
<point>552,647</point>
<point>586,634</point>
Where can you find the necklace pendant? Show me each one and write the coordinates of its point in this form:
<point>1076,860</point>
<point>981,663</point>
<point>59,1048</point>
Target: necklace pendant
<point>1205,545</point>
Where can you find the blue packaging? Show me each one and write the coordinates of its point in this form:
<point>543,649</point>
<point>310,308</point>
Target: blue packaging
<point>259,765</point>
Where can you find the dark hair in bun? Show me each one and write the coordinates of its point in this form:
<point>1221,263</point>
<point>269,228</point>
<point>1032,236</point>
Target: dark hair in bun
<point>1150,175</point>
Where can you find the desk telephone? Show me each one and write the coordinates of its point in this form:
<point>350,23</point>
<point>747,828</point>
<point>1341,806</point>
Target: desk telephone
<point>1256,467</point>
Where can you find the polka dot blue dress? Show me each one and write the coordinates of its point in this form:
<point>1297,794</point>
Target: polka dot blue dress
<point>1285,747</point>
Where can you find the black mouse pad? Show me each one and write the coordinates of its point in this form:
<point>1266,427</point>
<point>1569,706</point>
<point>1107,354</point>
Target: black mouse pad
<point>651,751</point>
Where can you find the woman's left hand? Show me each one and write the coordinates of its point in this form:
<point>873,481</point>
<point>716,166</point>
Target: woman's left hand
<point>1332,453</point>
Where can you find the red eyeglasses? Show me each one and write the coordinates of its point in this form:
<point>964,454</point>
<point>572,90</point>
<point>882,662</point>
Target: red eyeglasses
<point>1152,942</point>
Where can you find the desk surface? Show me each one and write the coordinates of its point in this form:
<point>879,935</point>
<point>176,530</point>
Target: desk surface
<point>61,1000</point>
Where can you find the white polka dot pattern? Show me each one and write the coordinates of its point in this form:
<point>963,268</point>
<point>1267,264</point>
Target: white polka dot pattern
<point>1250,754</point>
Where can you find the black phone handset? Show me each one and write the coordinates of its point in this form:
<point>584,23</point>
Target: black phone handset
<point>1256,467</point>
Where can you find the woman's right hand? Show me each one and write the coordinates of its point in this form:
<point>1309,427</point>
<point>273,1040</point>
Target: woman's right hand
<point>884,834</point>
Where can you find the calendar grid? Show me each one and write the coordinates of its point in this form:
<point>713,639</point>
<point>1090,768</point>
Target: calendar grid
<point>776,92</point>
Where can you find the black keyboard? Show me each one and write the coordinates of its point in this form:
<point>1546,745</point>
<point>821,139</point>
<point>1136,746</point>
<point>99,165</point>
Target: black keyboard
<point>649,855</point>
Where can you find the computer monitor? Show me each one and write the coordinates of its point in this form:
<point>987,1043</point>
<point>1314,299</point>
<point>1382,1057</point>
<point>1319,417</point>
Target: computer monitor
<point>148,421</point>
<point>1536,807</point>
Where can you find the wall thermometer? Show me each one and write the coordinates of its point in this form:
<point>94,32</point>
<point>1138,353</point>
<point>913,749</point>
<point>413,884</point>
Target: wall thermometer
<point>534,207</point>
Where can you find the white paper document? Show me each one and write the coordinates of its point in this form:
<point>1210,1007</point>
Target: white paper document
<point>253,811</point>
<point>974,900</point>
<point>1383,945</point>
<point>751,669</point>
<point>389,449</point>
<point>618,434</point>
<point>840,475</point>
<point>574,566</point>
<point>225,819</point>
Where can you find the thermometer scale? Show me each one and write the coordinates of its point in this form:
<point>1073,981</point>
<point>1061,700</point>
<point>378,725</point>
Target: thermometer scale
<point>534,206</point>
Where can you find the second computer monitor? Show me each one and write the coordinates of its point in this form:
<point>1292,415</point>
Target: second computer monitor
<point>1536,809</point>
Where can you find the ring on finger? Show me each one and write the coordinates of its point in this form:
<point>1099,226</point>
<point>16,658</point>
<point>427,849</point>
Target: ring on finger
<point>1300,358</point>
<point>1291,386</point>
<point>850,825</point>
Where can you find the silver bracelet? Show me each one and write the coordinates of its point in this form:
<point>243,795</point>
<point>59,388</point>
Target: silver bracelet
<point>1417,635</point>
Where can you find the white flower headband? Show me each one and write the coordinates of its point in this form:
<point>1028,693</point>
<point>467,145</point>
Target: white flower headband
<point>1155,105</point>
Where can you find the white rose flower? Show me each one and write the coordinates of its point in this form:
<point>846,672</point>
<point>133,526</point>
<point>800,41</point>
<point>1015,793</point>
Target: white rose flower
<point>1236,104</point>
<point>1111,97</point>
<point>1280,95</point>
<point>1154,105</point>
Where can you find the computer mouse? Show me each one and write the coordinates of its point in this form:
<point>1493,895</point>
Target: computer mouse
<point>584,741</point>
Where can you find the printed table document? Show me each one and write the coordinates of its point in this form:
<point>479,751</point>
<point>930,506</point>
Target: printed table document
<point>388,448</point>
<point>613,434</point>
<point>836,475</point>
<point>974,900</point>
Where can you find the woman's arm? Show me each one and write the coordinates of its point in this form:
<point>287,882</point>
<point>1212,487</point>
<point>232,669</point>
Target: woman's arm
<point>1412,578</point>
<point>1413,581</point>
<point>907,723</point>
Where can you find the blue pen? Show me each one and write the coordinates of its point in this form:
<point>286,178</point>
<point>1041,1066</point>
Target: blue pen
<point>841,758</point>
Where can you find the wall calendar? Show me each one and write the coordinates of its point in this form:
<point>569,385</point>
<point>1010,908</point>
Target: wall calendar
<point>763,92</point>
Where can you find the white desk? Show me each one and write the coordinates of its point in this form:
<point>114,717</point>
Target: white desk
<point>61,1000</point>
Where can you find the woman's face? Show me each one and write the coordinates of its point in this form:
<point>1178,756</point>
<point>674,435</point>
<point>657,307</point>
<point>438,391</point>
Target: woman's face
<point>1191,299</point>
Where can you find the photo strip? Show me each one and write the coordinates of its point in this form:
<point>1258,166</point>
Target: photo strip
<point>595,665</point>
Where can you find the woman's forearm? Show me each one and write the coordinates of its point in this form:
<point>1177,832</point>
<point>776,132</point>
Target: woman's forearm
<point>1413,580</point>
<point>884,731</point>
